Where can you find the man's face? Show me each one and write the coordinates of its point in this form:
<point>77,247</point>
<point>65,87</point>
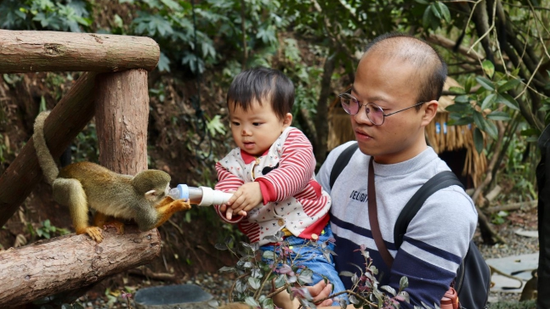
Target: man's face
<point>392,85</point>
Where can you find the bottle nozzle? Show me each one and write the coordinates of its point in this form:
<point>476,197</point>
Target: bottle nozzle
<point>201,196</point>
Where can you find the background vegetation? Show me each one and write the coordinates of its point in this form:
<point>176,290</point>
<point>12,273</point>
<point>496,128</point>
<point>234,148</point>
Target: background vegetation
<point>497,50</point>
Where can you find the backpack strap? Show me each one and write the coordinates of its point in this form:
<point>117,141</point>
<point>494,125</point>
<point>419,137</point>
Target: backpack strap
<point>341,162</point>
<point>439,181</point>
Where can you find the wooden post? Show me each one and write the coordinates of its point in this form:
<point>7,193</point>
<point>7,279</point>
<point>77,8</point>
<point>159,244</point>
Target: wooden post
<point>70,262</point>
<point>122,114</point>
<point>43,51</point>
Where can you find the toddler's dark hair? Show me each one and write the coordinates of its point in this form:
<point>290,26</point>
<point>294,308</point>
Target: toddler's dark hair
<point>262,84</point>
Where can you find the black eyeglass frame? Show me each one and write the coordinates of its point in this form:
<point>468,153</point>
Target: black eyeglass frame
<point>354,99</point>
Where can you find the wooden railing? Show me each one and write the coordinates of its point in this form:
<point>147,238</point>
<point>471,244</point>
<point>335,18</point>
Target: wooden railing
<point>113,88</point>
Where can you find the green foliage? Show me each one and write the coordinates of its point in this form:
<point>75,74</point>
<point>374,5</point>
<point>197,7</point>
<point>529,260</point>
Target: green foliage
<point>489,103</point>
<point>187,33</point>
<point>47,230</point>
<point>84,146</point>
<point>499,218</point>
<point>73,15</point>
<point>530,304</point>
<point>262,274</point>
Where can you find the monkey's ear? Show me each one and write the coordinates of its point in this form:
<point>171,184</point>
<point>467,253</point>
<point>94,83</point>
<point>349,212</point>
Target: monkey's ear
<point>151,195</point>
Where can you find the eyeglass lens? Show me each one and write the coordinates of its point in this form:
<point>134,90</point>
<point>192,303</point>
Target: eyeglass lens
<point>352,106</point>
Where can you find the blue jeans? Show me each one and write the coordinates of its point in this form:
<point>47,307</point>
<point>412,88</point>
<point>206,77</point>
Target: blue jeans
<point>311,256</point>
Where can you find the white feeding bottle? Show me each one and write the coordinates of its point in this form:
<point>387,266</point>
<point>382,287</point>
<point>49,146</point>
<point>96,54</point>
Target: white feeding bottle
<point>201,196</point>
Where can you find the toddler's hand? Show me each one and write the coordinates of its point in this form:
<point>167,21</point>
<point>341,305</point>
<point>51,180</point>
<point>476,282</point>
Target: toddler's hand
<point>229,213</point>
<point>245,198</point>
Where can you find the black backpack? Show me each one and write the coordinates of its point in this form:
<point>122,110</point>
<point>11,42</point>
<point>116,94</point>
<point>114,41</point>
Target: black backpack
<point>473,279</point>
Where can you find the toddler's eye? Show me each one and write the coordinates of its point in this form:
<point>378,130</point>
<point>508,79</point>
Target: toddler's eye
<point>235,123</point>
<point>256,124</point>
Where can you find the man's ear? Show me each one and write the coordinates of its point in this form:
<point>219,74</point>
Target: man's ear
<point>430,111</point>
<point>287,120</point>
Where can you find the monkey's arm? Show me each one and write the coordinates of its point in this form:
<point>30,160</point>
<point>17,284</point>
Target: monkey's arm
<point>167,207</point>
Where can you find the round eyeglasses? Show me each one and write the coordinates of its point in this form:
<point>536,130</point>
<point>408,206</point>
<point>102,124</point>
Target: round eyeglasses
<point>375,113</point>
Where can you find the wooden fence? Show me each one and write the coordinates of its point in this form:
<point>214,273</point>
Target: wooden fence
<point>113,88</point>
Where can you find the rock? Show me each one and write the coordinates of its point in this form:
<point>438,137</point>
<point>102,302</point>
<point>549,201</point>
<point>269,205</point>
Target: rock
<point>185,296</point>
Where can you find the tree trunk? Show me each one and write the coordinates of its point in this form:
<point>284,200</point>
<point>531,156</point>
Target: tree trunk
<point>122,114</point>
<point>69,117</point>
<point>44,268</point>
<point>41,51</point>
<point>321,121</point>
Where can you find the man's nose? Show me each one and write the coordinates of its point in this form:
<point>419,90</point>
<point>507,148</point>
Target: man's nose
<point>361,116</point>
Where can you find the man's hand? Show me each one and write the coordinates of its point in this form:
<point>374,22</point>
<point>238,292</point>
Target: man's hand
<point>244,199</point>
<point>318,291</point>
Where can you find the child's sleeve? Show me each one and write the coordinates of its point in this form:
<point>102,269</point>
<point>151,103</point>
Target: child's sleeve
<point>227,182</point>
<point>296,169</point>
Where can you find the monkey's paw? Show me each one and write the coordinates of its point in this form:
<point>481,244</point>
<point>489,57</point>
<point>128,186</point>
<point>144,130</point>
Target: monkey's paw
<point>95,233</point>
<point>119,226</point>
<point>180,205</point>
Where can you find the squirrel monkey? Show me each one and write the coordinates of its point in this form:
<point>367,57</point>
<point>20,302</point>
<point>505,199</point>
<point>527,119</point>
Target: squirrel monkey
<point>81,185</point>
<point>530,289</point>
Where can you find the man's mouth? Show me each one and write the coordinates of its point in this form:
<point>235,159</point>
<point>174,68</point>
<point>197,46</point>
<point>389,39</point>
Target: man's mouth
<point>361,134</point>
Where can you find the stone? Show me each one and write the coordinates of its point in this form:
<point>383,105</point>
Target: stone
<point>185,296</point>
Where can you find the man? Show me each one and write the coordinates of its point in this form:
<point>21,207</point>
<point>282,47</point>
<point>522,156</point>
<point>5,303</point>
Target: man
<point>393,98</point>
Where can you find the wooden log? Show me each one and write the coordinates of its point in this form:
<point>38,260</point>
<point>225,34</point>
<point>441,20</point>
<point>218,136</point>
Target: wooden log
<point>527,205</point>
<point>41,51</point>
<point>122,114</point>
<point>69,262</point>
<point>66,120</point>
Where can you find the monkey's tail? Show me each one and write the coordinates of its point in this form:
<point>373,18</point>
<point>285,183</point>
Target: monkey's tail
<point>45,159</point>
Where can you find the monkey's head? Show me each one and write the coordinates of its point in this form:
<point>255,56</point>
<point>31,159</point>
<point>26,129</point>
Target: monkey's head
<point>152,184</point>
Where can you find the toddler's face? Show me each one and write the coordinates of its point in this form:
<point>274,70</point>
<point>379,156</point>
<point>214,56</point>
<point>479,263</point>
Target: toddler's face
<point>256,129</point>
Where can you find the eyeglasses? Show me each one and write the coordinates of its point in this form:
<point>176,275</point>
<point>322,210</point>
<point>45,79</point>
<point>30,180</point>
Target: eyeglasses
<point>375,113</point>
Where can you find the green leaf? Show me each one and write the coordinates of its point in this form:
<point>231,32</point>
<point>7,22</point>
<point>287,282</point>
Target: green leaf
<point>509,85</point>
<point>488,68</point>
<point>435,10</point>
<point>227,269</point>
<point>530,132</point>
<point>444,11</point>
<point>164,63</point>
<point>470,82</point>
<point>461,121</point>
<point>498,115</point>
<point>426,18</point>
<point>173,5</point>
<point>458,108</point>
<point>462,99</point>
<point>488,101</point>
<point>403,283</point>
<point>479,121</point>
<point>490,128</point>
<point>267,35</point>
<point>478,140</point>
<point>507,100</point>
<point>458,90</point>
<point>251,302</point>
<point>485,83</point>
<point>389,289</point>
<point>254,283</point>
